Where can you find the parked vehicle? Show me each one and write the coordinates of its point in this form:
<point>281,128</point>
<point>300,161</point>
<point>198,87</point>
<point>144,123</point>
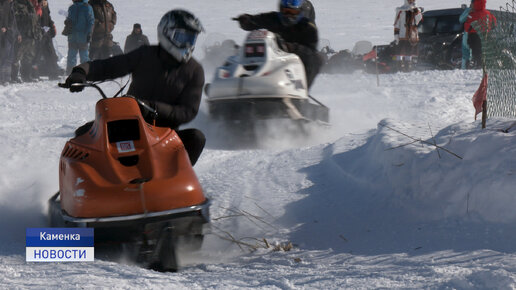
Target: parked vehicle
<point>440,46</point>
<point>440,39</point>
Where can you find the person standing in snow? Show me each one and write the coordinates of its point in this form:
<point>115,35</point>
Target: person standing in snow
<point>78,28</point>
<point>135,39</point>
<point>300,35</point>
<point>46,57</point>
<point>485,20</point>
<point>164,76</point>
<point>8,35</point>
<point>27,21</point>
<point>406,34</point>
<point>102,38</point>
<point>466,50</point>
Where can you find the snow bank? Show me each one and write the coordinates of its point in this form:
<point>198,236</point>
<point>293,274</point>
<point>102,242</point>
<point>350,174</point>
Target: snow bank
<point>473,172</point>
<point>388,194</point>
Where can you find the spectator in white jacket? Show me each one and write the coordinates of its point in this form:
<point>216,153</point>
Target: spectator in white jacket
<point>406,35</point>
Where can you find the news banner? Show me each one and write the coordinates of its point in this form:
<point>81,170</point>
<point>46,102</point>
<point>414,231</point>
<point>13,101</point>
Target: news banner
<point>59,245</point>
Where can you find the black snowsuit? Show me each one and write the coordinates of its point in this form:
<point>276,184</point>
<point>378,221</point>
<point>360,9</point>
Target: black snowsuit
<point>7,40</point>
<point>174,89</point>
<point>300,39</point>
<point>102,45</point>
<point>25,51</point>
<point>46,57</point>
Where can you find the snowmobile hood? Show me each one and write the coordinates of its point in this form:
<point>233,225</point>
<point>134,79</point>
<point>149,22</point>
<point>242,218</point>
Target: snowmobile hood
<point>125,166</point>
<point>479,5</point>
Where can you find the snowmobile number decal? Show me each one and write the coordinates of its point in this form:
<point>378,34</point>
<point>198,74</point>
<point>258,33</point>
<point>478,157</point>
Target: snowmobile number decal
<point>258,34</point>
<point>125,146</point>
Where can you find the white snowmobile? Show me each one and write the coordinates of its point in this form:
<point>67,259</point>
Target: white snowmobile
<point>262,82</point>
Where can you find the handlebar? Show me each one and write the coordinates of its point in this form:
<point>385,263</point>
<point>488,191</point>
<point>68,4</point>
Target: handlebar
<point>66,86</point>
<point>151,110</point>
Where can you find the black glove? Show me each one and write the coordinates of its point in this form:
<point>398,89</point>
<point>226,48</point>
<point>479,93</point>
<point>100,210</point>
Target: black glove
<point>245,21</point>
<point>78,76</point>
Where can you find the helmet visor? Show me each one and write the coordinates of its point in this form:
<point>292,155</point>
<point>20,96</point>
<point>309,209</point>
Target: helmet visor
<point>290,11</point>
<point>181,38</point>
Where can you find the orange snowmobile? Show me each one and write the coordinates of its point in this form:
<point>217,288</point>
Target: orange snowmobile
<point>133,183</point>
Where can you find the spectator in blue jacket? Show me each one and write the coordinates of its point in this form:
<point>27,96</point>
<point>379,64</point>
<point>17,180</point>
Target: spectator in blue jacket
<point>78,27</point>
<point>466,50</point>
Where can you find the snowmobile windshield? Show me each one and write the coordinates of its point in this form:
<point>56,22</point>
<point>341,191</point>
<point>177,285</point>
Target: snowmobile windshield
<point>181,38</point>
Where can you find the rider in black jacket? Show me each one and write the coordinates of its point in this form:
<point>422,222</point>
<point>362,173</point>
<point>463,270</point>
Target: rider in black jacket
<point>165,77</point>
<point>299,33</point>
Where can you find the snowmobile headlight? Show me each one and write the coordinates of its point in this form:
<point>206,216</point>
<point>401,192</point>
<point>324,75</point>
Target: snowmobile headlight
<point>254,50</point>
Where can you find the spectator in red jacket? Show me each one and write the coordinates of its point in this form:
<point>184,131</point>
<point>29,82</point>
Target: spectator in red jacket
<point>485,21</point>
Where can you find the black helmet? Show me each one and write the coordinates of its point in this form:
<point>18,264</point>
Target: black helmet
<point>308,10</point>
<point>291,11</point>
<point>177,33</point>
<point>291,3</point>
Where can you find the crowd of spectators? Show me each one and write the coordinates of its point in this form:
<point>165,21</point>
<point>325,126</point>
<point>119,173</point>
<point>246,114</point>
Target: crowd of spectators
<point>27,32</point>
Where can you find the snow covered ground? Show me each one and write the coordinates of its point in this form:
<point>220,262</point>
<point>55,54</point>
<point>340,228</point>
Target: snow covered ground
<point>361,207</point>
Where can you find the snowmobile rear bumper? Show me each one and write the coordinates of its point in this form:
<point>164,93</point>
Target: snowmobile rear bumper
<point>184,221</point>
<point>245,109</point>
<point>196,210</point>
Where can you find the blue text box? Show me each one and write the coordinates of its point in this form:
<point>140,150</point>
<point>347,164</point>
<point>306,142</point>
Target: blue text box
<point>59,237</point>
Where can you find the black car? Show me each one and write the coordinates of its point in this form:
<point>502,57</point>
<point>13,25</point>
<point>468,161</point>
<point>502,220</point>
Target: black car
<point>440,35</point>
<point>440,38</point>
<point>440,41</point>
<point>440,45</point>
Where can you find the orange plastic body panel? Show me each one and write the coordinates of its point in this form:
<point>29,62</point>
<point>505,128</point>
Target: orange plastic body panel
<point>95,183</point>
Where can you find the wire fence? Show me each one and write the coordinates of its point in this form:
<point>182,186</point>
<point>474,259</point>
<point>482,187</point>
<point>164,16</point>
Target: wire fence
<point>498,38</point>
